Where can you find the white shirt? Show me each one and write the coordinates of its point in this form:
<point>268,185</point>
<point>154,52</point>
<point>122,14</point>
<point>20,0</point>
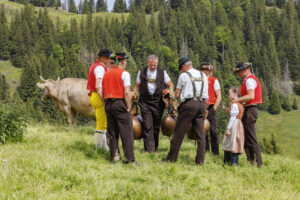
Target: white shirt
<point>251,84</point>
<point>217,85</point>
<point>185,84</point>
<point>99,72</point>
<point>125,78</point>
<point>234,111</point>
<point>152,75</point>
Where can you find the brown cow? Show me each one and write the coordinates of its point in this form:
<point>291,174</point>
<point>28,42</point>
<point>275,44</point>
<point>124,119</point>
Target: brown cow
<point>70,97</point>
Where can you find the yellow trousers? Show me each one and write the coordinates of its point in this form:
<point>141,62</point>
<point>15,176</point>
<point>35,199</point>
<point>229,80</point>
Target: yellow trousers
<point>98,105</point>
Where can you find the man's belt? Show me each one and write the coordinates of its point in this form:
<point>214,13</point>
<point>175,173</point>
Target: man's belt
<point>151,80</point>
<point>195,99</point>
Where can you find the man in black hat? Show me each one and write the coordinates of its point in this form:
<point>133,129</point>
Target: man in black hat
<point>251,92</point>
<point>95,76</point>
<point>117,96</point>
<point>150,82</point>
<point>192,89</point>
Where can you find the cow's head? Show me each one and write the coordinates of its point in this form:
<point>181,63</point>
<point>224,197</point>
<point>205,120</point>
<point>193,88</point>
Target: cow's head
<point>48,87</point>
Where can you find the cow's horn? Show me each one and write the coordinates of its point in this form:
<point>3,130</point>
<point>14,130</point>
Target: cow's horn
<point>57,79</point>
<point>42,79</point>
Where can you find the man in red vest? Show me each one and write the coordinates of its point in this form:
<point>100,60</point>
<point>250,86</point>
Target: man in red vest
<point>117,96</point>
<point>215,97</point>
<point>251,96</point>
<point>95,76</point>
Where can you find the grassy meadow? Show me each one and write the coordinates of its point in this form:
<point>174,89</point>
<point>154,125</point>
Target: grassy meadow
<point>54,162</point>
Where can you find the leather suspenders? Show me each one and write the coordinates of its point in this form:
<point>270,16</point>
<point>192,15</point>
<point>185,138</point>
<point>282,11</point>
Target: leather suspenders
<point>194,79</point>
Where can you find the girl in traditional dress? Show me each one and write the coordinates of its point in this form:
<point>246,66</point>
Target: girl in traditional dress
<point>233,142</point>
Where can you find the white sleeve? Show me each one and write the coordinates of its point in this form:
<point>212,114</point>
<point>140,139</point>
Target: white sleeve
<point>180,81</point>
<point>126,78</point>
<point>166,77</point>
<point>205,89</point>
<point>216,85</point>
<point>99,72</point>
<point>234,111</point>
<point>251,84</point>
<point>138,78</point>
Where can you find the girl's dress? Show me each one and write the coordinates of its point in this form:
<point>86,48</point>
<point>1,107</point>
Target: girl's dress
<point>235,141</point>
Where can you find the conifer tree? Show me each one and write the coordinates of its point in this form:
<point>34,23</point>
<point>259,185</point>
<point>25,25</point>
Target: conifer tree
<point>274,106</point>
<point>92,6</point>
<point>72,6</point>
<point>4,88</point>
<point>120,6</point>
<point>80,7</point>
<point>101,6</point>
<point>29,77</point>
<point>4,35</point>
<point>295,105</point>
<point>265,98</point>
<point>286,104</point>
<point>86,7</point>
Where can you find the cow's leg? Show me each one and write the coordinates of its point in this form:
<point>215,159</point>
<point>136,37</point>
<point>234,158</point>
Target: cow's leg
<point>68,112</point>
<point>74,117</point>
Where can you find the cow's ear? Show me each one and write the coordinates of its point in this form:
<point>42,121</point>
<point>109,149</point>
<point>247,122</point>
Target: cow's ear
<point>41,85</point>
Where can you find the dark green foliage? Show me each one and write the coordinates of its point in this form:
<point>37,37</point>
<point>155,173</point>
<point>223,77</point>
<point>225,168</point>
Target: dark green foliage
<point>295,105</point>
<point>297,89</point>
<point>270,146</point>
<point>274,106</point>
<point>286,104</point>
<point>120,6</point>
<point>29,77</point>
<point>221,32</point>
<point>101,6</point>
<point>72,6</point>
<point>4,88</point>
<point>4,35</point>
<point>12,123</point>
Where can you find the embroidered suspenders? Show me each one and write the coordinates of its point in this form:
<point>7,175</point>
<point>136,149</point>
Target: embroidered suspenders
<point>194,79</point>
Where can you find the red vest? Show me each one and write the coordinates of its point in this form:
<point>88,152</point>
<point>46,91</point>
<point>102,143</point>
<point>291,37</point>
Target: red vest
<point>211,91</point>
<point>91,84</point>
<point>258,91</point>
<point>112,84</point>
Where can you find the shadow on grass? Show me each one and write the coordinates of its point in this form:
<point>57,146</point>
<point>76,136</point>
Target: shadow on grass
<point>89,150</point>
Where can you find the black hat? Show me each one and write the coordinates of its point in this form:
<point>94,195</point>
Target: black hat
<point>205,66</point>
<point>182,61</point>
<point>120,56</point>
<point>241,66</point>
<point>104,52</point>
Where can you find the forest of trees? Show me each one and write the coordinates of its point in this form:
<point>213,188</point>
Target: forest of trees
<point>224,32</point>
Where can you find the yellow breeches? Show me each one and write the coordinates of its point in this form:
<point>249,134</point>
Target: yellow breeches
<point>98,105</point>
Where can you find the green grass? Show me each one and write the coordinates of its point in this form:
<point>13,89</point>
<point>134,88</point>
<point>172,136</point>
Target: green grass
<point>285,127</point>
<point>12,74</point>
<point>64,16</point>
<point>57,163</point>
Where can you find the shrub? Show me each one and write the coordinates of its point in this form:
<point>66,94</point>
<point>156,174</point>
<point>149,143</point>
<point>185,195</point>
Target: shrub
<point>12,123</point>
<point>270,146</point>
<point>295,106</point>
<point>286,104</point>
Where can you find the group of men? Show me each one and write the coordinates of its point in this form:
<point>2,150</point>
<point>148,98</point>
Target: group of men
<point>197,89</point>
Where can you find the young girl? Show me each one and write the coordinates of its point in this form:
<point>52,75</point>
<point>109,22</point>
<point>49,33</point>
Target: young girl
<point>233,142</point>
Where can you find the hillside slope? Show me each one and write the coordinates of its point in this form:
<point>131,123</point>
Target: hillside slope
<point>57,163</point>
<point>64,16</point>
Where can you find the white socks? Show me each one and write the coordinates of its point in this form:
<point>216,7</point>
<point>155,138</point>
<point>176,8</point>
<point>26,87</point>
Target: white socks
<point>100,140</point>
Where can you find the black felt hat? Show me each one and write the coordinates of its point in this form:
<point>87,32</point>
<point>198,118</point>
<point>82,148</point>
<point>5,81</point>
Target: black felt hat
<point>241,66</point>
<point>182,61</point>
<point>104,52</point>
<point>120,56</point>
